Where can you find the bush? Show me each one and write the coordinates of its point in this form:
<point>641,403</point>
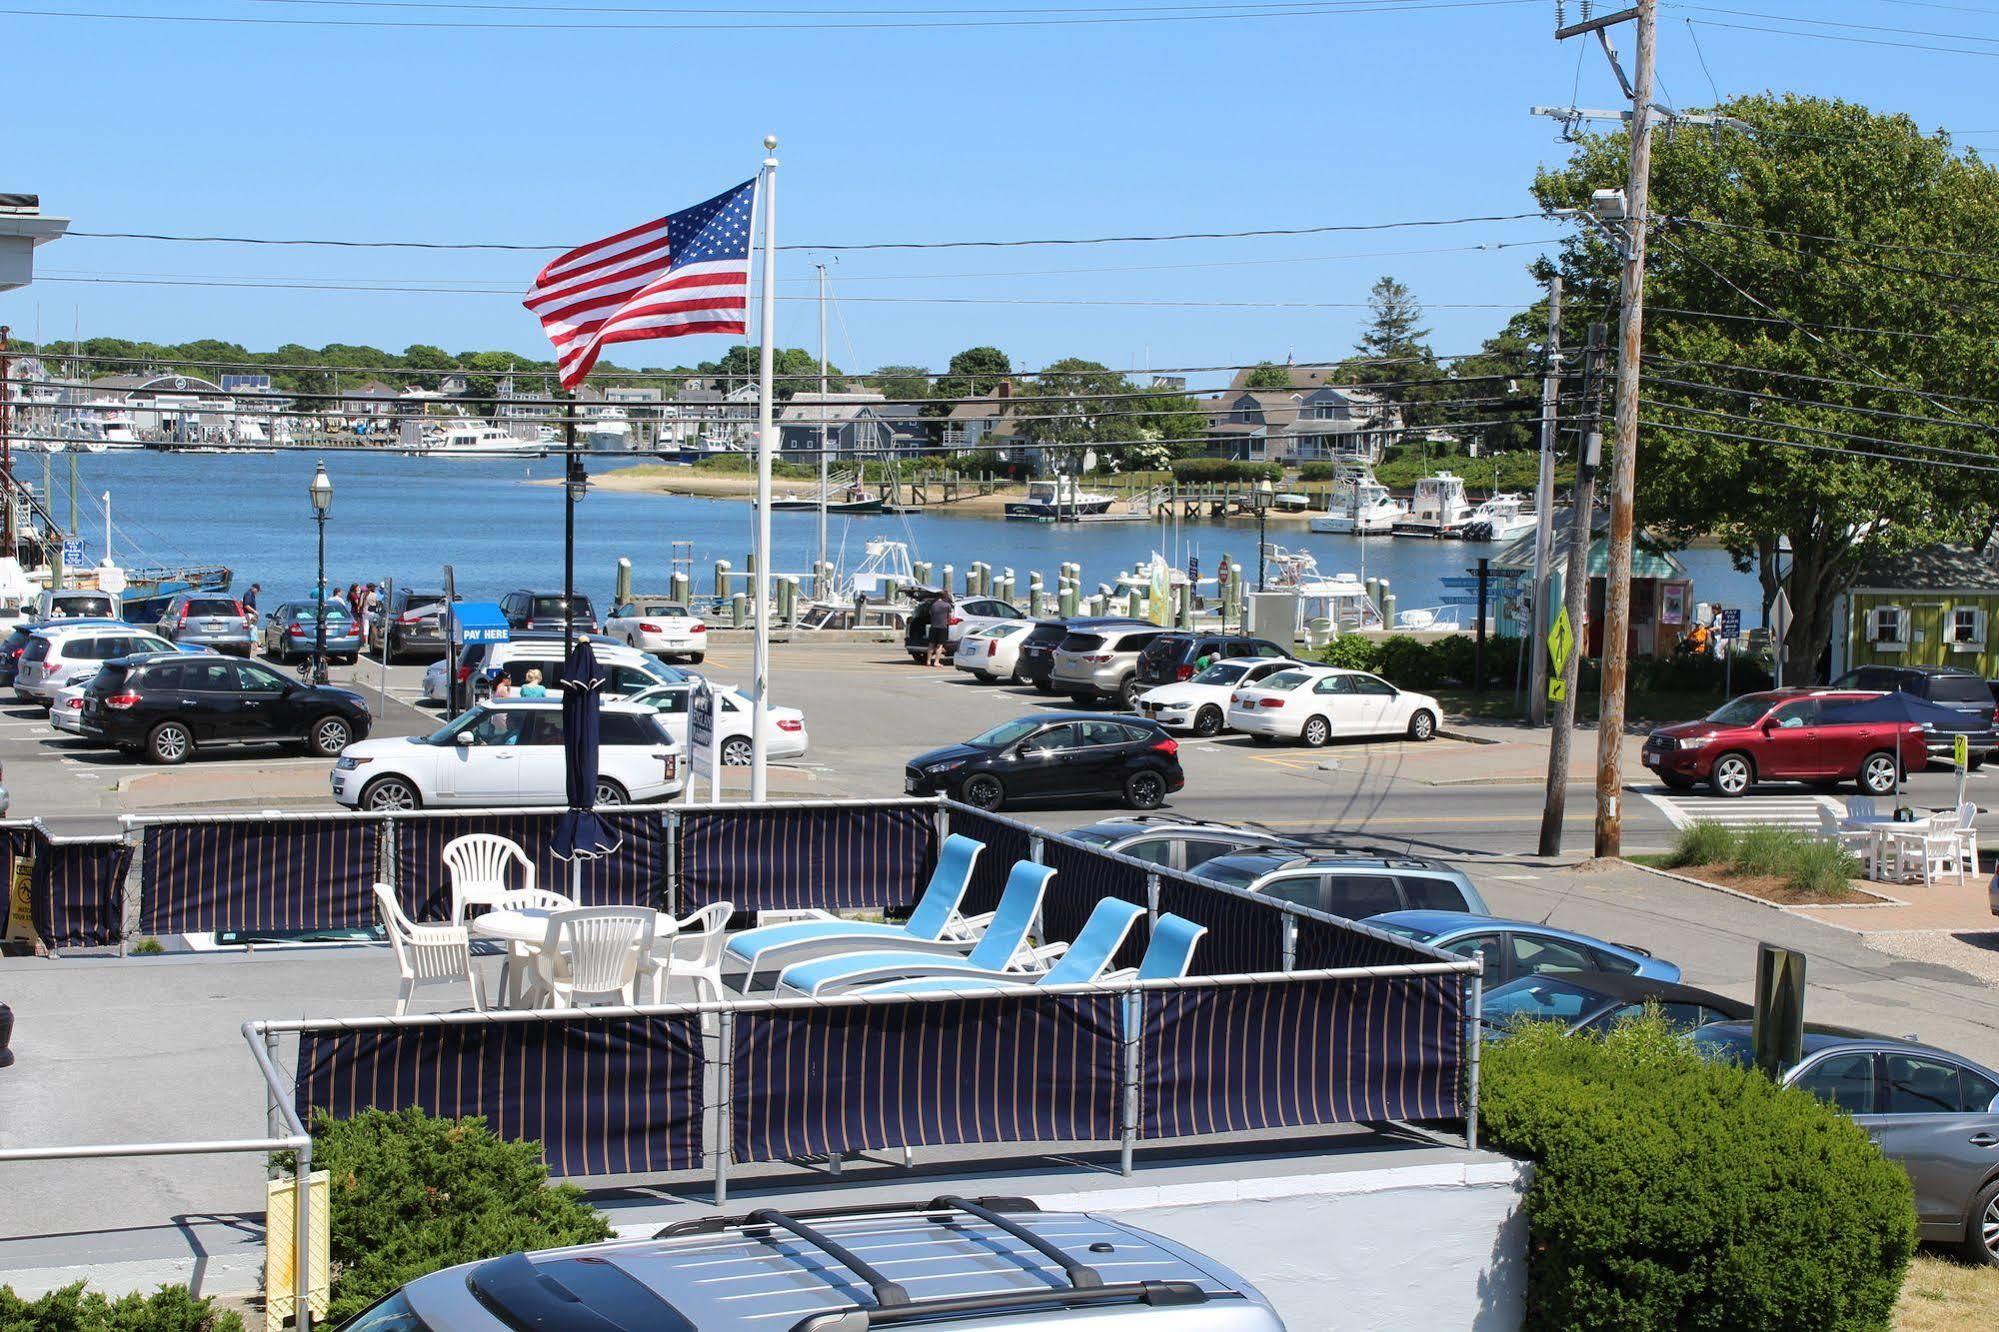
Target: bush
<point>1823,868</point>
<point>413,1193</point>
<point>73,1309</point>
<point>1353,653</point>
<point>1702,843</point>
<point>1805,863</point>
<point>1410,664</point>
<point>1414,664</point>
<point>1225,469</point>
<point>1670,1192</point>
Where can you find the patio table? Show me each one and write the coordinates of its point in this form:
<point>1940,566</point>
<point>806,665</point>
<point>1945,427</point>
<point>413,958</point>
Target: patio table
<point>528,927</point>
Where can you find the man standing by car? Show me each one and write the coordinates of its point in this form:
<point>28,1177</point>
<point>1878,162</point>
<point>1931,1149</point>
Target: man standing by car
<point>250,600</point>
<point>940,627</point>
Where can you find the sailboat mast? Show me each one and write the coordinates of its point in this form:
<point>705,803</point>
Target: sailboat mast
<point>819,570</point>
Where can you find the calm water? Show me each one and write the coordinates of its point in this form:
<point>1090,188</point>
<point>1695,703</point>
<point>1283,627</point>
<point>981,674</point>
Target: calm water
<point>405,518</point>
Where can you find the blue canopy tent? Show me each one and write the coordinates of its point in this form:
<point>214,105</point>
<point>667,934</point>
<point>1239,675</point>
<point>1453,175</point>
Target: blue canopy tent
<point>1892,709</point>
<point>580,835</point>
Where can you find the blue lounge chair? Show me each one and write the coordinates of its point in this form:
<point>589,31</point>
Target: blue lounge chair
<point>933,926</point>
<point>1170,951</point>
<point>996,950</point>
<point>1168,954</point>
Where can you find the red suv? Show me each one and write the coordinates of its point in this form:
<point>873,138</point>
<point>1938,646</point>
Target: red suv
<point>1779,737</point>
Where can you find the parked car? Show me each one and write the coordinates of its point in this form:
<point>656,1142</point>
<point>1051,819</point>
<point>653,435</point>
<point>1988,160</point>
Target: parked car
<point>1174,842</point>
<point>1176,656</point>
<point>1201,704</point>
<point>1315,704</point>
<point>16,640</point>
<point>1101,658</point>
<point>1352,884</point>
<point>992,652</point>
<point>291,631</point>
<point>69,651</point>
<point>952,1265</point>
<point>626,670</point>
<point>509,752</point>
<point>546,610</point>
<point>1514,948</point>
<point>1778,736</point>
<point>66,708</point>
<point>1036,665</point>
<point>410,624</point>
<point>73,603</point>
<point>170,705</point>
<point>1934,1112</point>
<point>1951,687</point>
<point>733,737</point>
<point>1599,1000</point>
<point>966,616</point>
<point>657,625</point>
<point>208,619</point>
<point>1073,756</point>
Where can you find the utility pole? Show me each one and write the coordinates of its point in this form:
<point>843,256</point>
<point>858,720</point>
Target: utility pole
<point>1575,593</point>
<point>6,451</point>
<point>1544,509</point>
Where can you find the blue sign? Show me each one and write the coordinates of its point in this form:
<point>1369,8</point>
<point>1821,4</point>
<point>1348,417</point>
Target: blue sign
<point>1731,622</point>
<point>478,622</point>
<point>72,553</point>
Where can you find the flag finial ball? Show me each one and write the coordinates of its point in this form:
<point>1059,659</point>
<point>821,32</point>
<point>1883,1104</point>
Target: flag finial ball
<point>770,143</point>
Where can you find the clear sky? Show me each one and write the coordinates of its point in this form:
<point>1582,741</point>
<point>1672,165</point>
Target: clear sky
<point>1306,116</point>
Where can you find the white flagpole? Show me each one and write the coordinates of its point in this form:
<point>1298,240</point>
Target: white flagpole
<point>766,444</point>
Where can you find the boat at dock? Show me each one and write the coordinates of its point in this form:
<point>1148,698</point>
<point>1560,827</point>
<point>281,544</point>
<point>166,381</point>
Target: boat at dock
<point>1059,499</point>
<point>1500,518</point>
<point>1363,507</point>
<point>1438,509</point>
<point>476,439</point>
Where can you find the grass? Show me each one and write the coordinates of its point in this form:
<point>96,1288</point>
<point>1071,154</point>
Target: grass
<point>1943,1295</point>
<point>1777,864</point>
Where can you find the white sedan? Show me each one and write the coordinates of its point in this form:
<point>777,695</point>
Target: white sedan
<point>993,651</point>
<point>66,712</point>
<point>668,628</point>
<point>787,725</point>
<point>1201,705</point>
<point>1315,704</point>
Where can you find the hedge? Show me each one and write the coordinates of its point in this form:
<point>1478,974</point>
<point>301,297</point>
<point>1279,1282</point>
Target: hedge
<point>1414,664</point>
<point>1672,1192</point>
<point>1226,469</point>
<point>73,1309</point>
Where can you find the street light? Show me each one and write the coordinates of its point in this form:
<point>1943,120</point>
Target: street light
<point>321,493</point>
<point>1260,496</point>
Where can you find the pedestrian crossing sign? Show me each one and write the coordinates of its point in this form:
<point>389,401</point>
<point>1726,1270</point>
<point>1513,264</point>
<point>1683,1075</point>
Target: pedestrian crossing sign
<point>1561,642</point>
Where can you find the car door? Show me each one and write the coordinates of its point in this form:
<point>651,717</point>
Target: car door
<point>1845,1079</point>
<point>1937,1120</point>
<point>210,700</point>
<point>670,705</point>
<point>621,680</point>
<point>1534,954</point>
<point>1333,698</point>
<point>1039,765</point>
<point>540,771</point>
<point>1378,706</point>
<point>264,708</point>
<point>1788,746</point>
<point>1491,948</point>
<point>487,771</point>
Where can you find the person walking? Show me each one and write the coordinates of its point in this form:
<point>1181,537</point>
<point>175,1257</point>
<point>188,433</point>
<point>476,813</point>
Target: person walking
<point>940,628</point>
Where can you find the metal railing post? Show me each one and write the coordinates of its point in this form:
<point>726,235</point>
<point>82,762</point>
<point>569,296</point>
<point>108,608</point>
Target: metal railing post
<point>1471,1072</point>
<point>1152,900</point>
<point>1290,927</point>
<point>1134,1012</point>
<point>302,1254</point>
<point>673,860</point>
<point>273,1121</point>
<point>725,1093</point>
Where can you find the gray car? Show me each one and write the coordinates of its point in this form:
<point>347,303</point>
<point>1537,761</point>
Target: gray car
<point>1935,1112</point>
<point>997,1265</point>
<point>1102,658</point>
<point>1354,884</point>
<point>1172,842</point>
<point>291,632</point>
<point>208,619</point>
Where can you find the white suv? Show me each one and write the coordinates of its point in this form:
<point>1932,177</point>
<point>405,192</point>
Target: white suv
<point>509,752</point>
<point>626,670</point>
<point>57,655</point>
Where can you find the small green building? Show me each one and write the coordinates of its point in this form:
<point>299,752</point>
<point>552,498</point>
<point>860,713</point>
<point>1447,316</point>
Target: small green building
<point>1930,607</point>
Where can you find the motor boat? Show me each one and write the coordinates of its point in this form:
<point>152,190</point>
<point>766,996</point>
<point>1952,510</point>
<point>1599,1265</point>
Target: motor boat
<point>1500,518</point>
<point>1058,499</point>
<point>610,431</point>
<point>476,439</point>
<point>1439,508</point>
<point>1365,507</point>
<point>1333,603</point>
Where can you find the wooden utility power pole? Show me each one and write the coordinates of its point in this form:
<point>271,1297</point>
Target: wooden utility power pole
<point>1544,509</point>
<point>1575,594</point>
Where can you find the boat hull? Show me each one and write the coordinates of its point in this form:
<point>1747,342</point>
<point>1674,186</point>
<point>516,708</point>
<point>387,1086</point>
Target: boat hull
<point>1033,512</point>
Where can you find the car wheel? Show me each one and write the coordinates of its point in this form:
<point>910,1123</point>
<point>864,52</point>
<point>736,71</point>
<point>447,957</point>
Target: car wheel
<point>736,753</point>
<point>696,657</point>
<point>982,790</point>
<point>386,794</point>
<point>983,677</point>
<point>1145,790</point>
<point>1043,687</point>
<point>1732,775</point>
<point>1318,731</point>
<point>1208,720</point>
<point>1974,762</point>
<point>1128,692</point>
<point>610,793</point>
<point>328,736</point>
<point>1259,739</point>
<point>1878,773</point>
<point>1981,1237</point>
<point>169,743</point>
<point>1423,725</point>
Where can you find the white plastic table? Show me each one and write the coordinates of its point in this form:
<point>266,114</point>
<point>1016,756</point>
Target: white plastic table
<point>528,927</point>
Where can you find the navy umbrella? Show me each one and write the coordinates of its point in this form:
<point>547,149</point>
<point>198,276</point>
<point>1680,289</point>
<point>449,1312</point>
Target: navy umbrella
<point>1892,709</point>
<point>581,835</point>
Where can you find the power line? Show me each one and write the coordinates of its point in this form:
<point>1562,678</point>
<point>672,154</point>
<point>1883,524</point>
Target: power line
<point>1713,224</point>
<point>1831,23</point>
<point>1816,448</point>
<point>1837,37</point>
<point>1817,379</point>
<point>1778,398</point>
<point>1786,426</point>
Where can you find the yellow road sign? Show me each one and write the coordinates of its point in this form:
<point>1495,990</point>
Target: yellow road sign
<point>1558,689</point>
<point>1960,752</point>
<point>1561,642</point>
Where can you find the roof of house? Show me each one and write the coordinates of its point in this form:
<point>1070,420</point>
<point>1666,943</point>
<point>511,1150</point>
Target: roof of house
<point>369,388</point>
<point>832,409</point>
<point>1649,556</point>
<point>1939,568</point>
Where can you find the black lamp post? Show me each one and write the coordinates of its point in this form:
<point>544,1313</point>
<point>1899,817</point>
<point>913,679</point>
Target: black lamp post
<point>321,492</point>
<point>1260,497</point>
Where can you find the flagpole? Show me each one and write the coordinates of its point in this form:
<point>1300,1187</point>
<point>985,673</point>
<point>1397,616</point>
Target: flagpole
<point>760,581</point>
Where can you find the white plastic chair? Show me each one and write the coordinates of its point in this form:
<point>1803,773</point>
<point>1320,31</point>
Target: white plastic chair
<point>427,954</point>
<point>479,865</point>
<point>593,953</point>
<point>523,899</point>
<point>1860,807</point>
<point>1927,848</point>
<point>1967,841</point>
<point>1855,841</point>
<point>694,949</point>
<point>1319,631</point>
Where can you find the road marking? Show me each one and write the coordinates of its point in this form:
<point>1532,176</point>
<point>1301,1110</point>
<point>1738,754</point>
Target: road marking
<point>1785,811</point>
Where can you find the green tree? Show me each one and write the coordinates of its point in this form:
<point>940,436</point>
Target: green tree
<point>1074,401</point>
<point>1738,280</point>
<point>1267,375</point>
<point>902,383</point>
<point>972,373</point>
<point>794,370</point>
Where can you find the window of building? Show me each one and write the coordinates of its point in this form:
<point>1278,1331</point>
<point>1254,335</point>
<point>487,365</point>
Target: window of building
<point>1887,627</point>
<point>1967,627</point>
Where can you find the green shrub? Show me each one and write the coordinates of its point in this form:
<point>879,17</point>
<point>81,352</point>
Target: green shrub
<point>1353,653</point>
<point>1823,868</point>
<point>1703,843</point>
<point>1410,664</point>
<point>1670,1192</point>
<point>1225,469</point>
<point>73,1309</point>
<point>412,1193</point>
<point>1764,850</point>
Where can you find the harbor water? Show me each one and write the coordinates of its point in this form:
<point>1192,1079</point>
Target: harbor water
<point>405,518</point>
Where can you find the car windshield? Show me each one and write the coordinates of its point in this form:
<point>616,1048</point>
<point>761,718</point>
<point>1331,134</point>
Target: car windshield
<point>1223,673</point>
<point>1006,733</point>
<point>1284,680</point>
<point>1730,1044</point>
<point>665,608</point>
<point>1537,997</point>
<point>334,611</point>
<point>465,721</point>
<point>554,606</point>
<point>1740,711</point>
<point>73,605</point>
<point>211,606</point>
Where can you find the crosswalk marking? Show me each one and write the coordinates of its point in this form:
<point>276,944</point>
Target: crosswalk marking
<point>1776,811</point>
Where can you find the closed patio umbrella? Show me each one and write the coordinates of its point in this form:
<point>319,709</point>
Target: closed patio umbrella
<point>1896,709</point>
<point>581,835</point>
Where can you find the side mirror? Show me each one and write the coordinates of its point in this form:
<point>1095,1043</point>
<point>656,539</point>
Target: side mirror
<point>463,739</point>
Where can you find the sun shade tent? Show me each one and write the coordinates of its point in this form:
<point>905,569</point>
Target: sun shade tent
<point>1897,708</point>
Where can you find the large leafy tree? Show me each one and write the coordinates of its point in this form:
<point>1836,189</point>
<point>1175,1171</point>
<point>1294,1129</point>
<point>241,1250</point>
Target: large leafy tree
<point>1267,375</point>
<point>794,370</point>
<point>972,372</point>
<point>1844,263</point>
<point>902,383</point>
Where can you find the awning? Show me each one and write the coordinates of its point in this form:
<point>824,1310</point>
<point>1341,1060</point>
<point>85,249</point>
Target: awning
<point>478,622</point>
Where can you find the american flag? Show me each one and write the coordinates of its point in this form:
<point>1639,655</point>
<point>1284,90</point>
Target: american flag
<point>687,273</point>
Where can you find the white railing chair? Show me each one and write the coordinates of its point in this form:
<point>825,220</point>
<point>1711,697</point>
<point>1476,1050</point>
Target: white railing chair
<point>1855,841</point>
<point>482,867</point>
<point>427,954</point>
<point>694,950</point>
<point>593,954</point>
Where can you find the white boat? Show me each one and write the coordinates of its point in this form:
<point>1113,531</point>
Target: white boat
<point>1438,509</point>
<point>1059,499</point>
<point>1500,518</point>
<point>1327,603</point>
<point>609,432</point>
<point>1365,507</point>
<point>476,439</point>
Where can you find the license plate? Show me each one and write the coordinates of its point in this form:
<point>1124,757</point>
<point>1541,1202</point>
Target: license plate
<point>909,786</point>
<point>1651,759</point>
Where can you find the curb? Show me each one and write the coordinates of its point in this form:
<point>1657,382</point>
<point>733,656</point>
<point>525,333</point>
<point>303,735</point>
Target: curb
<point>1465,737</point>
<point>1763,902</point>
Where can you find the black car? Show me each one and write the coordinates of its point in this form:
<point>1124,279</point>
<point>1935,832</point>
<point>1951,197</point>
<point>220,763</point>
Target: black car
<point>11,648</point>
<point>412,623</point>
<point>1950,687</point>
<point>1080,755</point>
<point>1599,1000</point>
<point>546,610</point>
<point>170,704</point>
<point>1172,657</point>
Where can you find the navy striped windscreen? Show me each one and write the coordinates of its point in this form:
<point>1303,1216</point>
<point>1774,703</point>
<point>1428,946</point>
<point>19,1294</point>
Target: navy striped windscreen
<point>259,876</point>
<point>632,875</point>
<point>1084,877</point>
<point>76,895</point>
<point>1245,932</point>
<point>1239,1058</point>
<point>837,858</point>
<point>1006,844</point>
<point>603,1095</point>
<point>863,1077</point>
<point>1326,943</point>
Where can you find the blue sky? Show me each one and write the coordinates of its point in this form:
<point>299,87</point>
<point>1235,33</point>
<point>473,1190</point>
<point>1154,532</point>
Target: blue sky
<point>992,132</point>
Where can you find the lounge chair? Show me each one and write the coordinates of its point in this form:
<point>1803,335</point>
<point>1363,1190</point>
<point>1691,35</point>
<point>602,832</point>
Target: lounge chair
<point>1168,954</point>
<point>934,925</point>
<point>1001,947</point>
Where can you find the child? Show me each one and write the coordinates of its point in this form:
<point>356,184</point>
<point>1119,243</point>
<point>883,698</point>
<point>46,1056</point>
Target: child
<point>531,686</point>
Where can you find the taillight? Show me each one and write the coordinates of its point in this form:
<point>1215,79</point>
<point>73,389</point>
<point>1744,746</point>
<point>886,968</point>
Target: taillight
<point>239,607</point>
<point>464,674</point>
<point>1166,745</point>
<point>790,724</point>
<point>992,647</point>
<point>297,631</point>
<point>1184,673</point>
<point>183,613</point>
<point>1270,703</point>
<point>1100,658</point>
<point>73,703</point>
<point>698,629</point>
<point>121,701</point>
<point>645,628</point>
<point>410,617</point>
